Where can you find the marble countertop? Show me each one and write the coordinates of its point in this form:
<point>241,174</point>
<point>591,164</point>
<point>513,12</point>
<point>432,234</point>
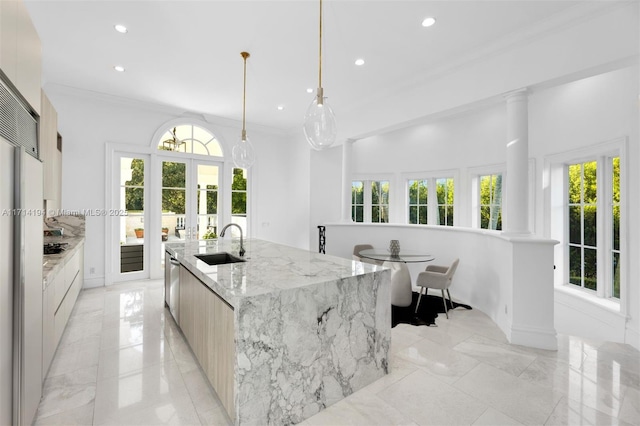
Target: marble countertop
<point>74,227</point>
<point>269,267</point>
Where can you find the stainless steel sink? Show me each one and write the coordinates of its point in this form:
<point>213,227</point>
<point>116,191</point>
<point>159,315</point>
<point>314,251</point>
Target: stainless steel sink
<point>218,258</point>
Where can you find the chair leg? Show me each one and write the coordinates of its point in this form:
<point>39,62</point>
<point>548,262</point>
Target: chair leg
<point>419,297</point>
<point>444,300</point>
<point>450,299</point>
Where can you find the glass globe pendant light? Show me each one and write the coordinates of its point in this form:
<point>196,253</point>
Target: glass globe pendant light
<point>243,153</point>
<point>319,121</point>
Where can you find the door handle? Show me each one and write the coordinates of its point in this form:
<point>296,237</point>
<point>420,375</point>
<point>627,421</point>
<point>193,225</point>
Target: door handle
<point>174,261</point>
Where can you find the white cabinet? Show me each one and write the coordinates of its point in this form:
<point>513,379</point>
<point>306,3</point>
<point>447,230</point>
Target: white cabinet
<point>59,298</point>
<point>49,342</point>
<point>20,51</point>
<point>50,155</point>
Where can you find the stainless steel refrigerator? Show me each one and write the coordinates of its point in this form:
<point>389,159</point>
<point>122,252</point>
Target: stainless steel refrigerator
<point>21,241</point>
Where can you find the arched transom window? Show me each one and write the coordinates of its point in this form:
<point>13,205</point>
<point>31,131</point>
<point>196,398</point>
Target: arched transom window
<point>190,139</point>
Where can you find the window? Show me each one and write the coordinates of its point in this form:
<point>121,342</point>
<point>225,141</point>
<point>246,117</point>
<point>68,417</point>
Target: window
<point>190,139</point>
<point>582,211</point>
<point>239,199</point>
<point>444,191</point>
<point>357,201</point>
<point>370,201</point>
<point>418,207</point>
<point>429,200</point>
<point>593,217</point>
<point>380,201</point>
<point>490,201</point>
<point>586,197</point>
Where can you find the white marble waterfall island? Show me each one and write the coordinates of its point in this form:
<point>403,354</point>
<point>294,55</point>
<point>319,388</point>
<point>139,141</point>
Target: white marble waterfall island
<point>286,333</point>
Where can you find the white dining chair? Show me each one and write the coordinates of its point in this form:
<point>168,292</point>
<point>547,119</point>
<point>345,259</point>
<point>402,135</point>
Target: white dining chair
<point>356,254</point>
<point>438,277</point>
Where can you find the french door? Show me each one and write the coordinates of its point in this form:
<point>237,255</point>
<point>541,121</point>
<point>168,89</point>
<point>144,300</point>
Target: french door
<point>129,216</point>
<point>158,199</point>
<point>189,199</point>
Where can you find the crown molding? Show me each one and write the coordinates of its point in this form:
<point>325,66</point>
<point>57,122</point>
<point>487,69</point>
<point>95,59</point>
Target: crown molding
<point>94,96</point>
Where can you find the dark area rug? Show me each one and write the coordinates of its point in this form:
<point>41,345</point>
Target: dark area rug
<point>430,307</point>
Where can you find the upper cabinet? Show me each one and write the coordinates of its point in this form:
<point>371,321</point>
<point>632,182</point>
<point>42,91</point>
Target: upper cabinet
<point>50,154</point>
<point>20,51</point>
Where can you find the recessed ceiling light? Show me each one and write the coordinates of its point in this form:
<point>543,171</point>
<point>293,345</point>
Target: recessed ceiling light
<point>120,28</point>
<point>119,68</point>
<point>359,62</point>
<point>309,90</point>
<point>428,21</point>
<point>280,107</point>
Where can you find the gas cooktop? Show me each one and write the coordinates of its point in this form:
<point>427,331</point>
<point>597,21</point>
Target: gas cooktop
<point>54,248</point>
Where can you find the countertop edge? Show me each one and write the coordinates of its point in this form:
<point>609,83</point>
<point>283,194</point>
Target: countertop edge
<point>55,263</point>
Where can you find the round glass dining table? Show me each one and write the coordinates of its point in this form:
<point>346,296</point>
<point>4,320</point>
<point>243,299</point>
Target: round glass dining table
<point>407,256</point>
<point>401,292</point>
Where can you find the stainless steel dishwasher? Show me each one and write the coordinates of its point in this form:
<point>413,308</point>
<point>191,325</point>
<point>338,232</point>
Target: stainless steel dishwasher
<point>172,285</point>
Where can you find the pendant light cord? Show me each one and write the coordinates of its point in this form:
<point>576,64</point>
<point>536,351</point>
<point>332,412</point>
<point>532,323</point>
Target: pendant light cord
<point>244,55</point>
<point>320,50</point>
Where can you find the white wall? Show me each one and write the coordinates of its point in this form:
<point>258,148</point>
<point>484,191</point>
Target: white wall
<point>562,118</point>
<point>87,122</point>
<point>325,190</point>
<point>497,274</point>
<point>581,114</point>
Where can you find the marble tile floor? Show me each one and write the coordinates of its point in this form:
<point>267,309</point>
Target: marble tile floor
<point>122,361</point>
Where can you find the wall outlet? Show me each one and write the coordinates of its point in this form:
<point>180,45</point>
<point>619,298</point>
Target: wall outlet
<point>92,270</point>
<point>505,309</point>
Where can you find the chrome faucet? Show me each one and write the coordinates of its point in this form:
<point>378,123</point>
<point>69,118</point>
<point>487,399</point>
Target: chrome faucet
<point>242,251</point>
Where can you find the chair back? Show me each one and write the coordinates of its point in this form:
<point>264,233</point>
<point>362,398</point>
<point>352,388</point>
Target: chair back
<point>359,247</point>
<point>451,271</point>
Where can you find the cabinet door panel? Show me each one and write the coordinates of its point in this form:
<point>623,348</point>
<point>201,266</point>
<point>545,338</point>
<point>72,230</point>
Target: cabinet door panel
<point>221,350</point>
<point>9,38</point>
<point>29,59</point>
<point>49,341</point>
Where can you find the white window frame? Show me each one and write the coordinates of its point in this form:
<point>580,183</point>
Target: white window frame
<point>366,182</point>
<point>353,204</point>
<point>432,195</point>
<point>556,219</point>
<point>475,174</point>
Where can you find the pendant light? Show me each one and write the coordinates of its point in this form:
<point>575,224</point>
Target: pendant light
<point>243,153</point>
<point>319,122</point>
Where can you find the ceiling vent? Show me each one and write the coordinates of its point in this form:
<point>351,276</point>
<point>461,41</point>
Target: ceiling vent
<point>18,125</point>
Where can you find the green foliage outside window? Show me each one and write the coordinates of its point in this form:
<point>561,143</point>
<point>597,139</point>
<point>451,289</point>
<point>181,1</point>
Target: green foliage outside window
<point>239,193</point>
<point>582,187</point>
<point>174,176</point>
<point>357,201</point>
<point>491,202</point>
<point>418,196</point>
<point>134,188</point>
<point>615,256</point>
<point>380,202</point>
<point>444,194</point>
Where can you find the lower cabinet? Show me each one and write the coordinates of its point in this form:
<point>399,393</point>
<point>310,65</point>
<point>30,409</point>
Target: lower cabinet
<point>59,298</point>
<point>207,322</point>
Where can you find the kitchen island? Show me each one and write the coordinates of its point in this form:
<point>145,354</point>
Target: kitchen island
<point>286,333</point>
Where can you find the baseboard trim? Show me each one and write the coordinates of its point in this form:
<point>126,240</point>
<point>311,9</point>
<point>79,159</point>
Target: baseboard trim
<point>93,282</point>
<point>534,337</point>
<point>633,337</point>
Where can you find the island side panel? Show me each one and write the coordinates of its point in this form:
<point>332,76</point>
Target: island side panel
<point>301,350</point>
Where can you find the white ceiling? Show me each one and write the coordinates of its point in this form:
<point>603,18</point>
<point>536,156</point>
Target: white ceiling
<point>187,53</point>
